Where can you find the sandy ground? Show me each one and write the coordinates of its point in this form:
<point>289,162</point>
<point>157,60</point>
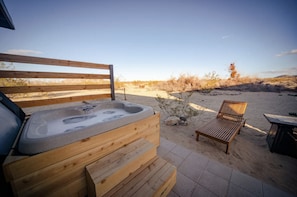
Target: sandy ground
<point>249,152</point>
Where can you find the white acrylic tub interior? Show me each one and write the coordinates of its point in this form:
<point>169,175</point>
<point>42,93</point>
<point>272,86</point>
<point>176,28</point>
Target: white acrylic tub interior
<point>46,130</point>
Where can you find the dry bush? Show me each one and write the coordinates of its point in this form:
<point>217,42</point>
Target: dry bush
<point>118,84</point>
<point>181,84</point>
<point>210,82</point>
<point>239,81</point>
<point>152,83</point>
<point>137,83</point>
<point>177,106</point>
<point>246,79</point>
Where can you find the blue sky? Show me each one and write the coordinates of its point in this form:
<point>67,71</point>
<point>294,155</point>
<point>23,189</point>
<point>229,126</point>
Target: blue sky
<point>159,39</point>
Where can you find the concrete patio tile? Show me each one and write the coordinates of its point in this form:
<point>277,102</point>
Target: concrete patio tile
<point>191,170</point>
<point>213,183</point>
<point>199,176</point>
<point>162,151</point>
<point>246,182</point>
<point>219,169</point>
<point>173,159</point>
<point>181,151</point>
<point>269,191</point>
<point>166,144</point>
<point>184,186</point>
<point>235,191</point>
<point>203,192</point>
<point>198,160</point>
<point>172,194</point>
<point>193,166</point>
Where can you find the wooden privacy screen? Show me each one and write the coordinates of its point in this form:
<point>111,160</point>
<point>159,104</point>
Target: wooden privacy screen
<point>49,87</point>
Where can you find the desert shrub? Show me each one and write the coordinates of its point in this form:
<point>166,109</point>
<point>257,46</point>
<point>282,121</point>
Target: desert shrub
<point>184,82</point>
<point>14,82</point>
<point>178,105</point>
<point>5,82</point>
<point>9,82</point>
<point>118,84</point>
<point>240,81</point>
<point>211,81</point>
<point>248,79</point>
<point>137,83</point>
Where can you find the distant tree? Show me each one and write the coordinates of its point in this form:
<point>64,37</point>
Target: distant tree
<point>233,72</point>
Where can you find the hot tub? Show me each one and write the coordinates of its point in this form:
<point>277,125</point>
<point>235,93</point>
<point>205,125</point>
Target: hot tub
<point>46,130</point>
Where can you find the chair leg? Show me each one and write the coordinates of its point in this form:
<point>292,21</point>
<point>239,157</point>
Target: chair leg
<point>240,128</point>
<point>197,137</point>
<point>244,123</point>
<point>227,149</point>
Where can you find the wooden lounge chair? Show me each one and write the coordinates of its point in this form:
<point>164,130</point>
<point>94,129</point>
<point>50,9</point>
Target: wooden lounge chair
<point>226,125</point>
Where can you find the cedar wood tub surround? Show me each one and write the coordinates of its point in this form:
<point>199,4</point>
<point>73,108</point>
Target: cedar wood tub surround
<point>61,171</point>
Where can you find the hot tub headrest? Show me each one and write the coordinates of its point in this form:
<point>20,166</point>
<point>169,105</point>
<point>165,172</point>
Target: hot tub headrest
<point>12,106</point>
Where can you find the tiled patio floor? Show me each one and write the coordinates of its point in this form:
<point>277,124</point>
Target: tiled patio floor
<point>199,176</point>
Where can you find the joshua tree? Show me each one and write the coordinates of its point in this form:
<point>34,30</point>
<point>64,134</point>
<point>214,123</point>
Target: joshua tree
<point>233,72</point>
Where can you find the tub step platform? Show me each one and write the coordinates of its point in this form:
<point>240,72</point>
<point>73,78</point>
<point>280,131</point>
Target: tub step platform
<point>132,170</point>
<point>110,170</point>
<point>156,178</point>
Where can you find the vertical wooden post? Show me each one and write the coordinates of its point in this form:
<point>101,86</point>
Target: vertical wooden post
<point>125,94</point>
<point>111,82</point>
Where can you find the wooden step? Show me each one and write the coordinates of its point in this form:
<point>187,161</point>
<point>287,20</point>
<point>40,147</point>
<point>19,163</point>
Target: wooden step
<point>110,170</point>
<point>157,178</point>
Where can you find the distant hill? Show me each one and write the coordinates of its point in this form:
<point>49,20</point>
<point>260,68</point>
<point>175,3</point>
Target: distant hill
<point>286,76</point>
<point>276,84</point>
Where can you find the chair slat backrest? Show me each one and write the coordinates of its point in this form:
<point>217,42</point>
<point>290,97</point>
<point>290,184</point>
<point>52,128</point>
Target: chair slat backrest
<point>232,110</point>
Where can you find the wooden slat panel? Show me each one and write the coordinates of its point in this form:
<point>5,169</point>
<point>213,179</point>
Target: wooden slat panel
<point>29,165</point>
<point>130,178</point>
<point>135,184</point>
<point>51,75</point>
<point>109,171</point>
<point>159,184</point>
<point>55,75</point>
<point>156,179</point>
<point>45,180</point>
<point>46,187</point>
<point>77,188</point>
<point>27,89</point>
<point>49,61</point>
<point>50,170</point>
<point>169,184</point>
<point>51,101</point>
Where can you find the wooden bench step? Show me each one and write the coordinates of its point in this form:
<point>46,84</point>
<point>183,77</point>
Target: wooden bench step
<point>157,178</point>
<point>110,170</point>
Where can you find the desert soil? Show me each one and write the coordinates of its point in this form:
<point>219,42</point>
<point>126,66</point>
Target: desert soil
<point>249,152</point>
